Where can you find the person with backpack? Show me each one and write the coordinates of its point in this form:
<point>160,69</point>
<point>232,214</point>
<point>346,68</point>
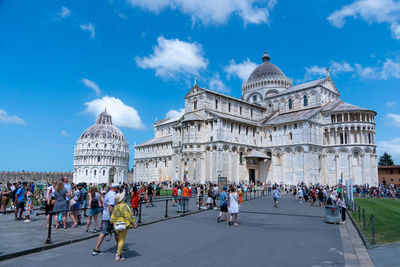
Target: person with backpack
<point>275,193</point>
<point>20,201</point>
<point>14,187</point>
<point>60,204</point>
<point>94,208</point>
<point>223,203</point>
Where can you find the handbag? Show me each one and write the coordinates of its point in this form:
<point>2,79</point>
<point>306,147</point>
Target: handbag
<point>72,202</point>
<point>120,226</point>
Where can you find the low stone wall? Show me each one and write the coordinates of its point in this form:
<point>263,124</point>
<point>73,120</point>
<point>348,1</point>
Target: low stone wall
<point>35,177</point>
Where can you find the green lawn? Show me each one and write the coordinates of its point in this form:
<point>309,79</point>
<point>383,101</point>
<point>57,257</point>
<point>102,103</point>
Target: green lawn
<point>387,223</point>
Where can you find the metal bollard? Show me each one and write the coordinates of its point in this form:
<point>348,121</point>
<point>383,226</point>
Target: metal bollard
<point>183,211</point>
<point>198,202</point>
<point>359,213</point>
<point>140,212</point>
<point>166,208</point>
<point>48,240</point>
<point>246,195</point>
<point>372,229</point>
<point>363,219</point>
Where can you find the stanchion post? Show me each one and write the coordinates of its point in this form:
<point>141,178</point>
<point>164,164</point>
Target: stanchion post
<point>363,219</point>
<point>246,195</point>
<point>48,240</point>
<point>140,212</point>
<point>372,229</point>
<point>359,213</point>
<point>166,208</point>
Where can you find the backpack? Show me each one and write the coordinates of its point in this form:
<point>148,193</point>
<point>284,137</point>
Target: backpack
<point>95,203</point>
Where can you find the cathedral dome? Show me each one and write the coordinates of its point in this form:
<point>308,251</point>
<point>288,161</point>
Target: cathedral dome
<point>266,70</point>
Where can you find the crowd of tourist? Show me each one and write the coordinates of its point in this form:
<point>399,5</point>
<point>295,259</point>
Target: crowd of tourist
<point>63,201</point>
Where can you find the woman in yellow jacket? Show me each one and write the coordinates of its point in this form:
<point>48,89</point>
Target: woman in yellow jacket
<point>122,213</point>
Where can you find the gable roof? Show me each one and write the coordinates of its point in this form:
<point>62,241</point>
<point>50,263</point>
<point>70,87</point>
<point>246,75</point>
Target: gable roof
<point>299,87</point>
<point>159,140</point>
<point>300,115</point>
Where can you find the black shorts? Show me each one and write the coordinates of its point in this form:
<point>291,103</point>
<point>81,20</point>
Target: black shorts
<point>224,208</point>
<point>48,208</point>
<point>20,205</point>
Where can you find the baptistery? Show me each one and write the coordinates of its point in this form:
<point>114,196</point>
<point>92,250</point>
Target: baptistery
<point>101,154</point>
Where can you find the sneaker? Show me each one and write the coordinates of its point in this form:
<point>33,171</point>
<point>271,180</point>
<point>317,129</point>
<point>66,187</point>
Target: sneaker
<point>119,258</point>
<point>236,224</point>
<point>218,220</point>
<point>94,230</point>
<point>96,252</point>
<point>27,221</point>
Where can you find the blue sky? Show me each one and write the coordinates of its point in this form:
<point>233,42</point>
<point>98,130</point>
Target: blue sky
<point>63,61</point>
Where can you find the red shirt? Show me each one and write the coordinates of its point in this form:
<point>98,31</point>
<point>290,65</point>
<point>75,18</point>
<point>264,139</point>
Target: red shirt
<point>175,191</point>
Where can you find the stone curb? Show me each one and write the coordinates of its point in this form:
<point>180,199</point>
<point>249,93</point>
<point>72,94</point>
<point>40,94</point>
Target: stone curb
<point>63,243</point>
<point>360,232</point>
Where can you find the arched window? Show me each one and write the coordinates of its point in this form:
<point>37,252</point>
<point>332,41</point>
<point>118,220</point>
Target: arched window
<point>305,100</point>
<point>98,159</point>
<point>195,105</point>
<point>86,172</point>
<point>251,113</point>
<point>97,144</point>
<point>290,103</point>
<point>95,172</point>
<point>229,107</point>
<point>254,98</point>
<point>216,103</point>
<point>105,145</point>
<point>104,172</point>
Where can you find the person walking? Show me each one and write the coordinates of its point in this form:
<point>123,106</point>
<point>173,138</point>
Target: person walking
<point>223,203</point>
<point>233,206</point>
<point>60,205</point>
<point>20,201</point>
<point>94,208</point>
<point>122,219</point>
<point>29,203</point>
<point>5,197</point>
<point>342,204</point>
<point>275,193</point>
<point>109,203</point>
<point>150,192</point>
<point>135,200</point>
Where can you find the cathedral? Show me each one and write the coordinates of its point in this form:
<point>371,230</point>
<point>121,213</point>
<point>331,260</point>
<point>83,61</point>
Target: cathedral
<point>275,133</point>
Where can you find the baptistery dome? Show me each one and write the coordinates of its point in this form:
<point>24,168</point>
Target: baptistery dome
<point>101,154</point>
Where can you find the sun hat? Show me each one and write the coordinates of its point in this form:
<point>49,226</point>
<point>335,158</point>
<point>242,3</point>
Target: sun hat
<point>114,185</point>
<point>119,197</point>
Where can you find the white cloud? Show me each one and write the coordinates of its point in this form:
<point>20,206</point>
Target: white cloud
<point>390,69</point>
<point>241,70</point>
<point>172,114</point>
<point>211,11</point>
<point>5,118</point>
<point>394,119</point>
<point>65,12</point>
<point>380,11</point>
<point>172,57</point>
<point>334,68</point>
<point>216,84</point>
<point>390,146</point>
<point>91,84</point>
<point>90,28</point>
<point>65,133</point>
<point>391,104</point>
<point>122,115</point>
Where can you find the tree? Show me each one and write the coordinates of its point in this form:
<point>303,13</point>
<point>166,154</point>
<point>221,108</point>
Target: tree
<point>385,160</point>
